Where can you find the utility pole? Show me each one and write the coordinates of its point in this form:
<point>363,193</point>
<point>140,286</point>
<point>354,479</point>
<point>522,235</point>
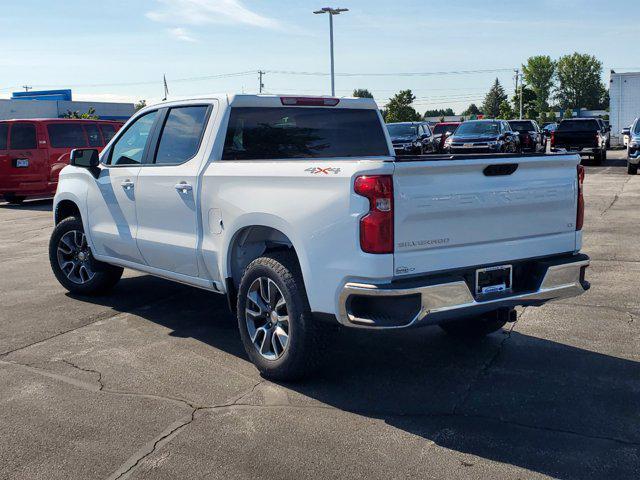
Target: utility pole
<point>260,84</point>
<point>166,88</point>
<point>519,76</point>
<point>27,88</point>
<point>331,12</point>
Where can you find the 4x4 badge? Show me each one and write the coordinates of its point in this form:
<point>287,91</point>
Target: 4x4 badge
<point>325,171</point>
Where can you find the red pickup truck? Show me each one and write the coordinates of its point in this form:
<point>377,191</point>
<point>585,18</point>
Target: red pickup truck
<point>33,151</point>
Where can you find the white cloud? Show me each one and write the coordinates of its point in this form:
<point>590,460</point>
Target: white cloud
<point>181,34</point>
<point>205,12</point>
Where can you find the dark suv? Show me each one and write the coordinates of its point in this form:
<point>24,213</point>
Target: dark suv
<point>531,137</point>
<point>483,136</point>
<point>411,138</point>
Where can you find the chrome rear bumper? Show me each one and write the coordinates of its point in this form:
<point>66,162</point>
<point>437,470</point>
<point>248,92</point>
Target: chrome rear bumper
<point>443,301</point>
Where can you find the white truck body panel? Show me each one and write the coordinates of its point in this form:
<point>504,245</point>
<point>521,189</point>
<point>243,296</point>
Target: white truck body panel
<point>624,103</point>
<point>191,236</point>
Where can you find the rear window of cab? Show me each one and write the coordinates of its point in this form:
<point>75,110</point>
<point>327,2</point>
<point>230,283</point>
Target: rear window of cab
<point>256,133</point>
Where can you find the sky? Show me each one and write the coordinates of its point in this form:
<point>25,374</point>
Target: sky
<point>447,53</point>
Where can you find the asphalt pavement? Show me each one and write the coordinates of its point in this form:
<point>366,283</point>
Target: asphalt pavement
<point>151,382</point>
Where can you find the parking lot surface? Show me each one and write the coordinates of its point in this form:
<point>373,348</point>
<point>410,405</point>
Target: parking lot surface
<point>151,382</point>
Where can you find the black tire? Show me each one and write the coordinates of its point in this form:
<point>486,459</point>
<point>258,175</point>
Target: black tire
<point>474,327</point>
<point>14,199</point>
<point>305,341</point>
<point>603,156</point>
<point>632,169</point>
<point>104,277</point>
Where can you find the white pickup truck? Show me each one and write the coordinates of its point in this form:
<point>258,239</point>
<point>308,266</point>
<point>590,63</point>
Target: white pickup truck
<point>296,209</point>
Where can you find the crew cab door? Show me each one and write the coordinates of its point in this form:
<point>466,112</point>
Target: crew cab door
<point>167,192</point>
<point>111,200</point>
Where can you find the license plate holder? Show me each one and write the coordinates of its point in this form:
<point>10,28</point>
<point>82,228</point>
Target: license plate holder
<point>22,163</point>
<point>491,280</point>
<point>467,145</point>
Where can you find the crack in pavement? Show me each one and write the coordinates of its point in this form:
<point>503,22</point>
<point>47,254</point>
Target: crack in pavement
<point>485,367</point>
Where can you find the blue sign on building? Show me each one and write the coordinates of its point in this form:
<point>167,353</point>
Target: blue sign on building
<point>64,95</point>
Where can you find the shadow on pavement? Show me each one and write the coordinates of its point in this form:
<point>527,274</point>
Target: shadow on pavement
<point>30,205</point>
<point>537,404</point>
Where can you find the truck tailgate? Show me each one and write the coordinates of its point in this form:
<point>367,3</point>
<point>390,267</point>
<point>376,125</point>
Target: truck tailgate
<point>451,214</point>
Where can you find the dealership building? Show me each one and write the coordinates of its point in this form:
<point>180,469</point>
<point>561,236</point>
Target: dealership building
<point>56,103</point>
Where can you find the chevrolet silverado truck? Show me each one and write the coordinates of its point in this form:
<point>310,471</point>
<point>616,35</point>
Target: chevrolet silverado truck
<point>297,210</point>
<point>586,136</point>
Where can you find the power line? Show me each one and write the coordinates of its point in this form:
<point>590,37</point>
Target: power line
<point>391,74</point>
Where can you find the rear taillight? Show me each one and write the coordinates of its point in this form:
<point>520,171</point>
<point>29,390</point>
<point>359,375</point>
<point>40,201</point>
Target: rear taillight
<point>580,212</point>
<point>553,139</point>
<point>376,227</point>
<point>310,101</point>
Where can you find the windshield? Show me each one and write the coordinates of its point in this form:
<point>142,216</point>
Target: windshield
<point>401,130</point>
<point>578,126</point>
<point>441,128</point>
<point>637,129</point>
<point>478,128</point>
<point>522,126</point>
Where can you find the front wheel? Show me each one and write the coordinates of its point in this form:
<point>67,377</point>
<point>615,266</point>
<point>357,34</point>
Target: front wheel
<point>73,264</point>
<point>274,318</point>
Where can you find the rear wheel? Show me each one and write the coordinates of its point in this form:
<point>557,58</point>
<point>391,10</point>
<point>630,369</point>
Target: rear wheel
<point>276,326</point>
<point>14,199</point>
<point>73,264</point>
<point>474,327</point>
<point>632,169</point>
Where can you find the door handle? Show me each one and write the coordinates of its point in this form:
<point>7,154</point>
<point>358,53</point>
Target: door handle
<point>183,187</point>
<point>127,184</point>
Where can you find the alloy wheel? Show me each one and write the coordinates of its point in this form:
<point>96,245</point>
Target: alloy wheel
<point>74,257</point>
<point>267,318</point>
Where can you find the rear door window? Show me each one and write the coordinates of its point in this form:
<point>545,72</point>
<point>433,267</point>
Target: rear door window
<point>108,131</point>
<point>66,135</point>
<point>578,126</point>
<point>4,131</point>
<point>93,135</point>
<point>23,136</point>
<point>303,132</point>
<point>181,134</point>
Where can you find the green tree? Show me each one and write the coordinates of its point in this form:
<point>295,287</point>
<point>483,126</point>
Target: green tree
<point>140,105</point>
<point>568,113</point>
<point>529,103</point>
<point>493,99</point>
<point>91,113</point>
<point>399,108</point>
<point>362,93</point>
<point>447,112</point>
<point>472,109</point>
<point>539,75</point>
<point>580,81</point>
<point>505,111</point>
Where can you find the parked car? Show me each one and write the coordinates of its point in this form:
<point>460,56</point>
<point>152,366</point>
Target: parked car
<point>441,131</point>
<point>604,127</point>
<point>587,136</point>
<point>483,136</point>
<point>531,137</point>
<point>633,146</point>
<point>297,210</point>
<point>626,135</point>
<point>411,138</point>
<point>549,127</point>
<point>32,152</point>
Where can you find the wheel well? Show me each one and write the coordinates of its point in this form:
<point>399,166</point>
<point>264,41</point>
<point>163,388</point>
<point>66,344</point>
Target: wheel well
<point>251,243</point>
<point>66,209</point>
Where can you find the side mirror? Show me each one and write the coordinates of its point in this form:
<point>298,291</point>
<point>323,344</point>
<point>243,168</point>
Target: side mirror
<point>424,136</point>
<point>84,157</point>
<point>626,131</point>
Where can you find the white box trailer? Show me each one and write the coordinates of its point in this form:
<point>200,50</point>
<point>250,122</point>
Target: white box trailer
<point>624,102</point>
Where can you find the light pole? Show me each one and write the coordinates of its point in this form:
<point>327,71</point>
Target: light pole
<point>331,12</point>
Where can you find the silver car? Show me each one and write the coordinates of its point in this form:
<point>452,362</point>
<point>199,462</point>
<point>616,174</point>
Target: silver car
<point>633,147</point>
